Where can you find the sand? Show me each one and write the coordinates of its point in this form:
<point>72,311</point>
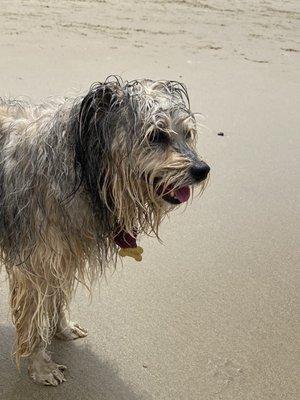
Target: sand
<point>211,313</point>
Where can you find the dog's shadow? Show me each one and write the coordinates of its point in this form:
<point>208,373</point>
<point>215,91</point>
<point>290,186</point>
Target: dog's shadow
<point>88,378</point>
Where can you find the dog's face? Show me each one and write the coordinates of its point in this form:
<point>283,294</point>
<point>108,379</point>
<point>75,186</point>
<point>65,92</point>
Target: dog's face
<point>163,153</point>
<point>145,134</point>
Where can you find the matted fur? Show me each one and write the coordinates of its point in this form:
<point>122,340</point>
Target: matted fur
<point>73,173</point>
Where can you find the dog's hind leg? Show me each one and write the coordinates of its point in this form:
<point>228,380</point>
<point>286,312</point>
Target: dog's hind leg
<point>68,330</point>
<point>34,313</point>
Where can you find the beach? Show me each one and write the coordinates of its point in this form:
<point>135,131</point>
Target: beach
<point>210,313</point>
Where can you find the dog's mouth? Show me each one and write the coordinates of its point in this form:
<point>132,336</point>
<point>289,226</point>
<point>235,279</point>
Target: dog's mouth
<point>174,196</point>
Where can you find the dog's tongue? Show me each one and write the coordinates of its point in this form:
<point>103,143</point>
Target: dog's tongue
<point>183,194</point>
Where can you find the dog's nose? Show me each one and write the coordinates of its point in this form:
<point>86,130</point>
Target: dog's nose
<point>200,171</point>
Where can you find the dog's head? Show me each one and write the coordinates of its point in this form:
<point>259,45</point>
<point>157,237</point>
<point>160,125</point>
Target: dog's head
<point>136,146</point>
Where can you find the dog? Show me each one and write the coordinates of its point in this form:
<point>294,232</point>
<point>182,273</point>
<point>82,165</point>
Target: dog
<point>75,175</point>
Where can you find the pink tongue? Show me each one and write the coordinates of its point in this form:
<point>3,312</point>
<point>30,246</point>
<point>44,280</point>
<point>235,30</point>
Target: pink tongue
<point>183,194</point>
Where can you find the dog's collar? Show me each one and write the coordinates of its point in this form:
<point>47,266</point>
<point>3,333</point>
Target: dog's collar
<point>129,247</point>
<point>125,239</point>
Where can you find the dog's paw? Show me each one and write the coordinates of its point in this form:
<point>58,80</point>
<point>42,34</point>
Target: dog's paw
<point>44,371</point>
<point>71,332</point>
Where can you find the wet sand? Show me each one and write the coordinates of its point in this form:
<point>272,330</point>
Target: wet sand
<point>211,313</point>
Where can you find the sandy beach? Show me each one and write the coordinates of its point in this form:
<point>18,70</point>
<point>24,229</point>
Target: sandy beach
<point>210,314</point>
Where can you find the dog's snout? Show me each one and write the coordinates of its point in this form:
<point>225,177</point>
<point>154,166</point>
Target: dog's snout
<point>200,171</point>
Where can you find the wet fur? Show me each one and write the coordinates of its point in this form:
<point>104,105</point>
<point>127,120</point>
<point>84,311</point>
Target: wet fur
<point>72,174</point>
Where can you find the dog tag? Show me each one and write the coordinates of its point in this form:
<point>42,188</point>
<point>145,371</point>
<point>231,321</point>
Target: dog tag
<point>134,252</point>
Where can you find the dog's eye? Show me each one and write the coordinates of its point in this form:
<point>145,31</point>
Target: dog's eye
<point>188,135</point>
<point>157,137</point>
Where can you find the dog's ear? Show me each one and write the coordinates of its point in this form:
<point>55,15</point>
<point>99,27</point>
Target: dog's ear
<point>93,132</point>
<point>101,98</point>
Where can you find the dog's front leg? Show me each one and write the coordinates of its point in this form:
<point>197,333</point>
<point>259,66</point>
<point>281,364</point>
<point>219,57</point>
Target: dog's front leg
<point>68,330</point>
<point>34,311</point>
<point>43,370</point>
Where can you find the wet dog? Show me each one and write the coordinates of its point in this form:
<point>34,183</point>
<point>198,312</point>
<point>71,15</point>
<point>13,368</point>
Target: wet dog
<point>75,174</point>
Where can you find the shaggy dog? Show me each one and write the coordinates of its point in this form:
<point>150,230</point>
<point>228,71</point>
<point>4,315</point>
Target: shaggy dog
<point>78,179</point>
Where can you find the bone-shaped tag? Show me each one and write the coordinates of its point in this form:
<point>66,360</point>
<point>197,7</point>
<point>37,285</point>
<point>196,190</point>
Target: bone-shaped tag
<point>134,252</point>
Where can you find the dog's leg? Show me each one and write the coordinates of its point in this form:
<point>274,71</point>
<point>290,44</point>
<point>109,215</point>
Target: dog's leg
<point>68,330</point>
<point>43,370</point>
<point>34,312</point>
